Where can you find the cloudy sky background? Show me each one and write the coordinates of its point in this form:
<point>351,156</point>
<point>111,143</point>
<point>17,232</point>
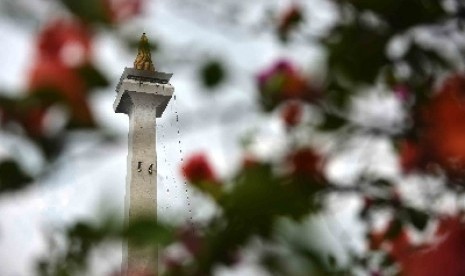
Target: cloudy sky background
<point>90,178</point>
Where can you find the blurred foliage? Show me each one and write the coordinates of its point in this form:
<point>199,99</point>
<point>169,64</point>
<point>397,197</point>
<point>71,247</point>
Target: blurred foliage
<point>12,178</point>
<point>92,77</point>
<point>263,195</point>
<point>88,10</point>
<point>212,74</point>
<point>401,15</point>
<point>357,53</point>
<point>81,238</point>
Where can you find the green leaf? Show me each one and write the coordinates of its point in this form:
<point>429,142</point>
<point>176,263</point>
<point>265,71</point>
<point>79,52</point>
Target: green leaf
<point>418,218</point>
<point>332,122</point>
<point>332,261</point>
<point>92,77</point>
<point>212,74</point>
<point>357,53</point>
<point>12,178</point>
<point>51,146</point>
<point>336,93</point>
<point>387,261</point>
<point>88,10</point>
<point>146,231</point>
<point>402,14</point>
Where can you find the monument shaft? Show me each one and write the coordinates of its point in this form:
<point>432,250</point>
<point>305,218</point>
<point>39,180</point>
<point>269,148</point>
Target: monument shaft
<point>143,95</point>
<point>141,182</point>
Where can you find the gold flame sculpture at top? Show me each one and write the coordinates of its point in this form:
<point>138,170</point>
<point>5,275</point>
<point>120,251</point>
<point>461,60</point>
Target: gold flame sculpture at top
<point>144,58</point>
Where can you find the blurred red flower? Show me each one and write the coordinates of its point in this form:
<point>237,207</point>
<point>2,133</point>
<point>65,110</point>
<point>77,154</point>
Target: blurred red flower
<point>441,132</point>
<point>68,87</point>
<point>119,11</point>
<point>62,47</point>
<point>283,82</point>
<point>198,169</point>
<point>445,256</point>
<point>444,126</point>
<point>305,162</point>
<point>292,113</point>
<point>64,42</point>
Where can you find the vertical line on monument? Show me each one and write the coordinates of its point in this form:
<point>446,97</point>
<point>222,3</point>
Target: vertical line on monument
<point>181,159</point>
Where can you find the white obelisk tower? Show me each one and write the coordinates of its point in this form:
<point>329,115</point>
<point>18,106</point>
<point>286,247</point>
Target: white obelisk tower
<point>143,95</point>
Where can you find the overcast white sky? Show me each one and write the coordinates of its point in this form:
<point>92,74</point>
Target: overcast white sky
<point>92,175</point>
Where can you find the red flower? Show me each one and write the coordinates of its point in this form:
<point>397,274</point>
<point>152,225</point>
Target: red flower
<point>441,129</point>
<point>69,86</point>
<point>121,10</point>
<point>292,113</point>
<point>64,42</point>
<point>62,47</point>
<point>441,133</point>
<point>305,162</point>
<point>197,169</point>
<point>444,127</point>
<point>283,82</point>
<point>445,256</point>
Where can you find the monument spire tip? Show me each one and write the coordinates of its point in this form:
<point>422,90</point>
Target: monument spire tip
<point>144,58</point>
